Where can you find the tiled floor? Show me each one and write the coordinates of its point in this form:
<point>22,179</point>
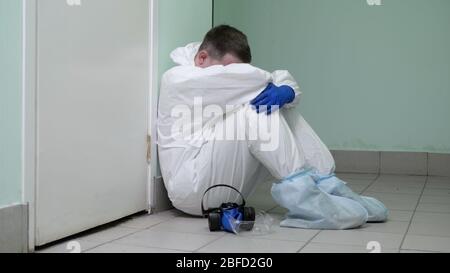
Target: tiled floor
<point>419,222</point>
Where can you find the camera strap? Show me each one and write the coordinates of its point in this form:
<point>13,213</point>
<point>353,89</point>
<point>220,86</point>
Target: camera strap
<point>206,212</point>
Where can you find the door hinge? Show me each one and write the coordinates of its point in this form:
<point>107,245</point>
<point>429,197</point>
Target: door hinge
<point>149,149</point>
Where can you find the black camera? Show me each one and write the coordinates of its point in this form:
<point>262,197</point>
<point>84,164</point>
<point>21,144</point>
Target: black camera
<point>229,215</point>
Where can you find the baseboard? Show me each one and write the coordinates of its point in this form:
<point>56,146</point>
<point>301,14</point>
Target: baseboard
<point>396,163</point>
<point>161,200</point>
<point>14,229</point>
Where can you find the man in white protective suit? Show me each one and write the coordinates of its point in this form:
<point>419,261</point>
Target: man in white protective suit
<point>224,121</point>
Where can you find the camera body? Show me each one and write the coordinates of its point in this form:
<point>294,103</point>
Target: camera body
<point>230,217</point>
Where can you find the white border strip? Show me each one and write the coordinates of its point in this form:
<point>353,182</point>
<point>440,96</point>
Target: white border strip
<point>153,113</point>
<point>29,97</point>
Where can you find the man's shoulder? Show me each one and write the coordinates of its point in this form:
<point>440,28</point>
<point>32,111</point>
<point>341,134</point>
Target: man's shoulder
<point>177,69</point>
<point>177,73</point>
<point>181,73</point>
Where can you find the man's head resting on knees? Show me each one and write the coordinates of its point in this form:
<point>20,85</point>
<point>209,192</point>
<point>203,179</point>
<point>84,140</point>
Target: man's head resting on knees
<point>223,45</point>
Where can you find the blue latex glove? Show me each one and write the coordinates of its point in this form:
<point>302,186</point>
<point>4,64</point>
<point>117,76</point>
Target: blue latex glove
<point>273,96</point>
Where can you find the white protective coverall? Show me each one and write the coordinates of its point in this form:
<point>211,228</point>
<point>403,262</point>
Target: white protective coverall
<point>194,158</point>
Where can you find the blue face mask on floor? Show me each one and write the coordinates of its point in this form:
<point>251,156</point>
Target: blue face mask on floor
<point>231,220</point>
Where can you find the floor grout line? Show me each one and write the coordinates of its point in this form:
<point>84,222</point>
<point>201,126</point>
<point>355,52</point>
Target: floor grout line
<point>380,156</point>
<point>148,229</point>
<point>371,183</point>
<point>156,247</point>
<point>309,241</point>
<point>137,231</point>
<point>147,247</point>
<point>220,237</point>
<point>116,239</point>
<point>420,250</point>
<point>414,213</point>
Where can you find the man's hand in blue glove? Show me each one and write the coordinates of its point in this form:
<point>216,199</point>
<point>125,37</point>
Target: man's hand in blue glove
<point>273,98</point>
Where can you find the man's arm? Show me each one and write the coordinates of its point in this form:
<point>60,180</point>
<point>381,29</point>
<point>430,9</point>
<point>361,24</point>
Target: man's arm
<point>283,77</point>
<point>221,86</point>
<point>282,92</point>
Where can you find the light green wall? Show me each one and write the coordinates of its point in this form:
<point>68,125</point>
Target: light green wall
<point>181,22</point>
<point>10,101</point>
<point>374,78</point>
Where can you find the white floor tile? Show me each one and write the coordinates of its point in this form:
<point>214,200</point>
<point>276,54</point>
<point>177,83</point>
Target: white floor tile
<point>146,221</point>
<point>426,243</point>
<point>396,189</point>
<point>430,217</point>
<point>357,188</point>
<point>396,227</point>
<point>356,176</point>
<point>168,240</point>
<point>401,181</point>
<point>435,199</point>
<point>401,178</point>
<point>362,238</point>
<point>184,225</point>
<point>119,248</point>
<point>396,201</point>
<point>430,224</point>
<point>394,196</point>
<point>417,252</point>
<point>434,207</point>
<point>438,182</point>
<point>107,234</point>
<point>286,234</point>
<point>400,215</point>
<point>436,192</point>
<point>62,247</point>
<point>361,183</point>
<point>333,248</point>
<point>170,213</point>
<point>235,244</point>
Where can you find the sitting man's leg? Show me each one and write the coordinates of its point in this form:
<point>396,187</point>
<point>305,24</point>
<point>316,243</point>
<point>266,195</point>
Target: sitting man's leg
<point>318,156</point>
<point>333,185</point>
<point>309,206</point>
<point>316,152</point>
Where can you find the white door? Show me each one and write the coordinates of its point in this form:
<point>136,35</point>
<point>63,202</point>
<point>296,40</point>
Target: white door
<point>92,113</point>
